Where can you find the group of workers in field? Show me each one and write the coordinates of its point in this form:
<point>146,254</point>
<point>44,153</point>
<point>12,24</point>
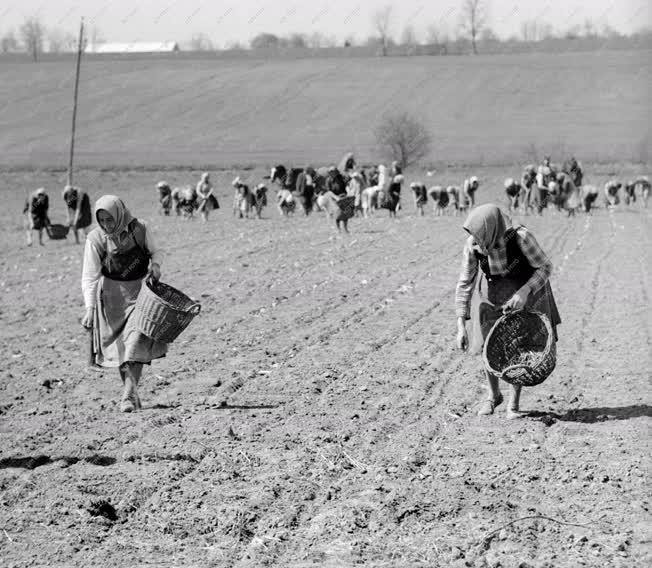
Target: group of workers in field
<point>346,190</point>
<point>121,251</point>
<point>564,189</point>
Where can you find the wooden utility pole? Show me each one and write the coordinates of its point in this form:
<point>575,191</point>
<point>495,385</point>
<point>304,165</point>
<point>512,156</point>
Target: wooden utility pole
<point>80,49</point>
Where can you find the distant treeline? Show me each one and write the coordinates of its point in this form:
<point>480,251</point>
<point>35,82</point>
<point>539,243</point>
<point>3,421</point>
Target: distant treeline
<point>37,43</point>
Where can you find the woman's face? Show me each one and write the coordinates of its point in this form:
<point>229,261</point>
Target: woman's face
<point>477,247</point>
<point>106,221</point>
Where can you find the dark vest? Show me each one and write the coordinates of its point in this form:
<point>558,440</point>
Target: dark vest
<point>71,199</point>
<point>519,268</point>
<point>130,259</point>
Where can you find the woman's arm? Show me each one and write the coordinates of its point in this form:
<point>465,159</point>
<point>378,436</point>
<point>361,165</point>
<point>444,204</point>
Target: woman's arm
<point>91,272</point>
<point>465,283</point>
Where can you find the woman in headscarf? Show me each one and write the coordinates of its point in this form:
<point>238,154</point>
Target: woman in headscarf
<point>335,182</point>
<point>305,188</point>
<point>242,198</point>
<point>78,206</point>
<point>36,210</point>
<point>355,188</point>
<point>469,187</point>
<point>394,194</point>
<point>164,197</point>
<point>528,181</point>
<point>382,184</point>
<point>589,196</point>
<point>207,201</point>
<point>569,194</point>
<point>347,164</point>
<point>611,189</point>
<point>119,254</point>
<point>514,273</point>
<point>513,192</point>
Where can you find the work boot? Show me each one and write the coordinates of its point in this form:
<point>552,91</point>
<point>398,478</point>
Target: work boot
<point>128,403</point>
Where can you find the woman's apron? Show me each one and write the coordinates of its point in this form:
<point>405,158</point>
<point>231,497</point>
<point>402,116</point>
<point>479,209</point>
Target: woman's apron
<point>494,291</point>
<point>115,338</point>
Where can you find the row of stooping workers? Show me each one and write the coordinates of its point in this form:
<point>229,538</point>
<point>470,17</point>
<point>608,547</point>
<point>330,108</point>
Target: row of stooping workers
<point>378,187</point>
<point>563,187</point>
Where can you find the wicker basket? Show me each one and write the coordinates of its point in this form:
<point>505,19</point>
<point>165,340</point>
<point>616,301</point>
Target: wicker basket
<point>162,312</point>
<point>57,232</point>
<point>521,348</point>
<point>346,208</point>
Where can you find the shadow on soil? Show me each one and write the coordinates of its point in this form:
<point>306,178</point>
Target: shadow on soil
<point>592,415</point>
<point>32,462</point>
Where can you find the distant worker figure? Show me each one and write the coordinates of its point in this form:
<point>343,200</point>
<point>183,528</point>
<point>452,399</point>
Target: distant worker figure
<point>243,199</point>
<point>347,165</point>
<point>543,189</point>
<point>469,188</point>
<point>285,202</point>
<point>630,192</point>
<point>36,210</point>
<point>513,192</point>
<point>355,188</point>
<point>568,197</point>
<point>164,197</point>
<point>305,188</point>
<point>611,189</point>
<point>78,210</point>
<point>453,193</point>
<point>528,182</point>
<point>335,182</point>
<point>515,272</point>
<point>644,184</point>
<point>589,195</point>
<point>206,200</point>
<point>420,194</point>
<point>393,197</point>
<point>260,195</point>
<point>574,169</point>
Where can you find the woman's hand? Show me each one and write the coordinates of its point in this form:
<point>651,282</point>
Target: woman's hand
<point>87,319</point>
<point>517,301</point>
<point>155,272</point>
<point>462,335</point>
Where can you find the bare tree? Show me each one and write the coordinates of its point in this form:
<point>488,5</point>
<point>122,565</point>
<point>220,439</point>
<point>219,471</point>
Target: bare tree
<point>265,40</point>
<point>533,30</point>
<point>8,43</point>
<point>438,39</point>
<point>56,41</point>
<point>297,40</point>
<point>201,42</point>
<point>316,40</point>
<point>473,18</point>
<point>381,21</point>
<point>589,29</point>
<point>488,35</point>
<point>95,38</point>
<point>32,32</point>
<point>408,37</point>
<point>402,138</point>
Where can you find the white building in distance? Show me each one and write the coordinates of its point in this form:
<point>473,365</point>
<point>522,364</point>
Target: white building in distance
<point>134,47</point>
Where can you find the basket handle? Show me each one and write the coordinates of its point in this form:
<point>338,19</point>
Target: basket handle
<point>512,368</point>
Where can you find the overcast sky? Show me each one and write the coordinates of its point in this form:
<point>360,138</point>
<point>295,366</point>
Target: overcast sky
<point>228,21</point>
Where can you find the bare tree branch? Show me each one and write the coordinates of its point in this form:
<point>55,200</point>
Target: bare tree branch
<point>381,21</point>
<point>473,18</point>
<point>403,138</point>
<point>32,32</point>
